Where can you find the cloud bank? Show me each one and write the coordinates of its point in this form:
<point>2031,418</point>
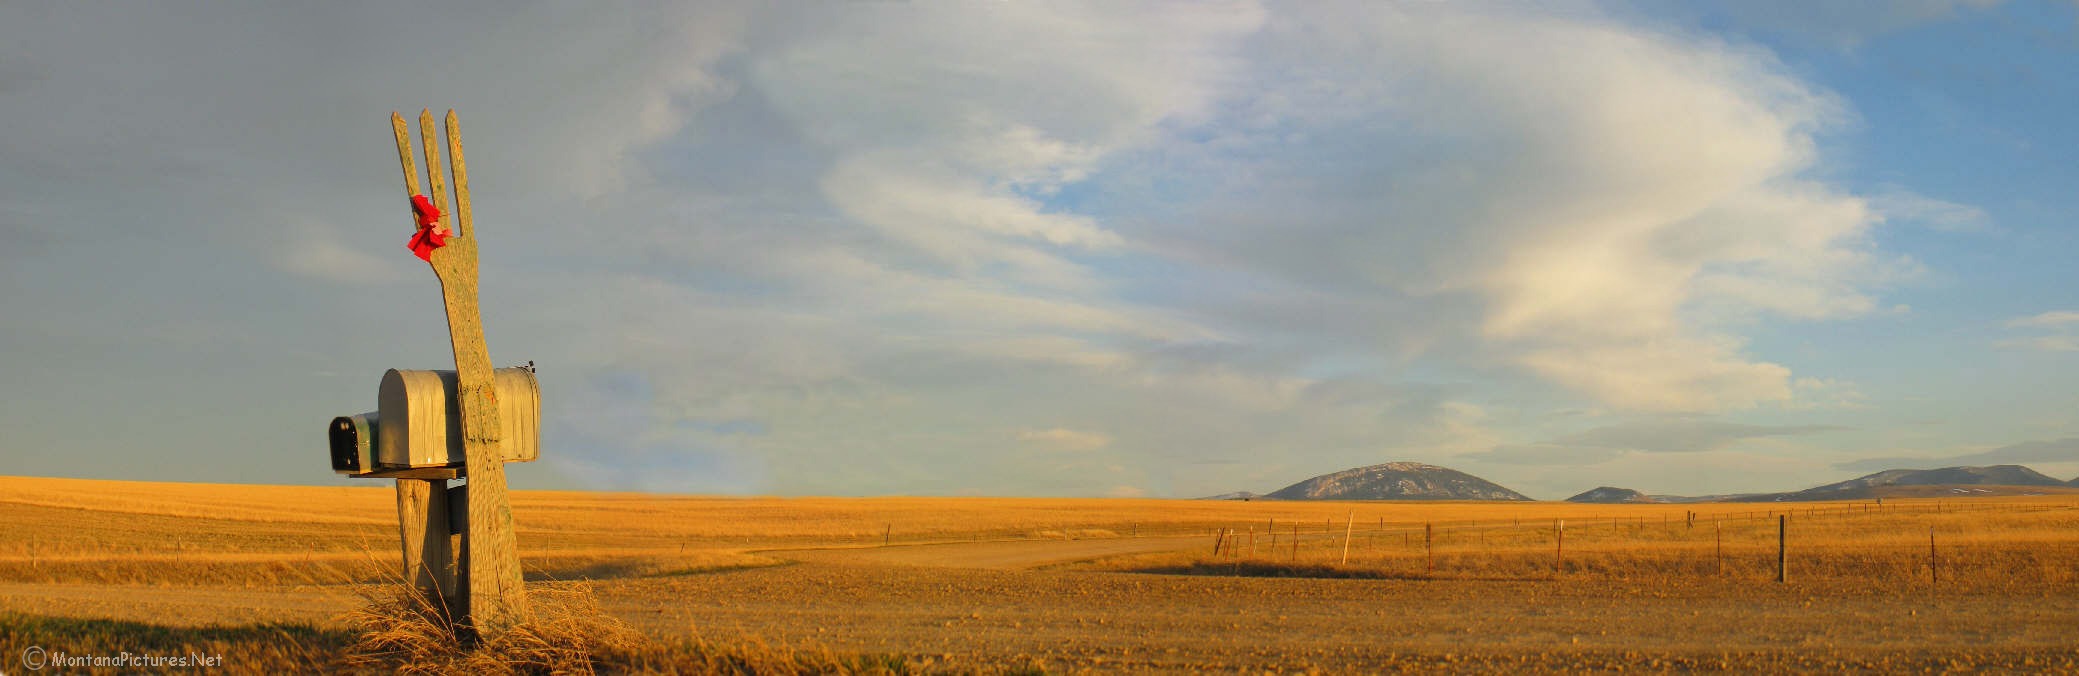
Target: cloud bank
<point>1008,248</point>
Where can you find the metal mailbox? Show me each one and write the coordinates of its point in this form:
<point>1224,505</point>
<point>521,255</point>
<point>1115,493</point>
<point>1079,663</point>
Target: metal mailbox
<point>353,443</point>
<point>420,421</point>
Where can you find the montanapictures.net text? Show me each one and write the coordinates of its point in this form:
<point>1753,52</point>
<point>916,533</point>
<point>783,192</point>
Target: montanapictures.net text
<point>128,660</point>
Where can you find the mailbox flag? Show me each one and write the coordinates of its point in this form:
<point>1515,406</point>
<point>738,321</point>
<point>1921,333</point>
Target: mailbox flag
<point>430,235</point>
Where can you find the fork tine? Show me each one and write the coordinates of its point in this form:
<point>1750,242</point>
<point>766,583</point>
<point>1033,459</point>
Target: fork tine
<point>461,169</point>
<point>436,186</point>
<point>411,164</point>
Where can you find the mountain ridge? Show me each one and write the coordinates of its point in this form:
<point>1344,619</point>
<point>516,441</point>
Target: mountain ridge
<point>1403,480</point>
<point>1610,495</point>
<point>1871,485</point>
<point>1396,481</point>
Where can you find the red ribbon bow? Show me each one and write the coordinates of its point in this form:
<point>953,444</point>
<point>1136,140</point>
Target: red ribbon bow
<point>430,235</point>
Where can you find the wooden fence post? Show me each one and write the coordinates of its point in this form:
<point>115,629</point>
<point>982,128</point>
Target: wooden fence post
<point>1782,547</point>
<point>1933,578</point>
<point>1559,546</point>
<point>1718,529</point>
<point>1347,526</point>
<point>1429,544</point>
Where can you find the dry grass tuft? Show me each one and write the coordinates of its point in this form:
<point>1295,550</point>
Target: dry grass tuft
<point>400,631</point>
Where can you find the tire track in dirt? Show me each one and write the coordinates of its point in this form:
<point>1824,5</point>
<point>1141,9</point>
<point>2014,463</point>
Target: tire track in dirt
<point>993,555</point>
<point>180,606</point>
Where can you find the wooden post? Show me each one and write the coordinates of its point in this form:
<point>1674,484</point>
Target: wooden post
<point>1273,531</point>
<point>1347,525</point>
<point>1219,538</point>
<point>1295,541</point>
<point>1559,546</point>
<point>1429,544</point>
<point>1718,529</point>
<point>422,521</point>
<point>1782,547</point>
<point>1933,577</point>
<point>888,535</point>
<point>496,597</point>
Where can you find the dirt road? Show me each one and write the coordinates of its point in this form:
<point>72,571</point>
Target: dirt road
<point>994,555</point>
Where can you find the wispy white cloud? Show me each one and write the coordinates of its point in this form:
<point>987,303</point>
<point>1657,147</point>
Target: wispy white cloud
<point>1827,393</point>
<point>1681,436</point>
<point>1899,205</point>
<point>2041,343</point>
<point>2053,318</point>
<point>1840,24</point>
<point>2042,451</point>
<point>2054,329</point>
<point>1065,439</point>
<point>318,254</point>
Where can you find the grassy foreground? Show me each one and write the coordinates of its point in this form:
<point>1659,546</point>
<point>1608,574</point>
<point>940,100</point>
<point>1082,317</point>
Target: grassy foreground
<point>396,632</point>
<point>277,579</point>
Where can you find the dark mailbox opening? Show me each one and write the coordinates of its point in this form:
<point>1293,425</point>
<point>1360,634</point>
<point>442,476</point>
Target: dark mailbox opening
<point>352,436</point>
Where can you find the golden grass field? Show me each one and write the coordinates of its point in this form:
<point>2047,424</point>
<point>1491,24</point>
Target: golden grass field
<point>277,577</point>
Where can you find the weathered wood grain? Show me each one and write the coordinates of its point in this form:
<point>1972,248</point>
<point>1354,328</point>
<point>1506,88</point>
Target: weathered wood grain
<point>411,165</point>
<point>413,473</point>
<point>422,520</point>
<point>462,222</point>
<point>495,597</point>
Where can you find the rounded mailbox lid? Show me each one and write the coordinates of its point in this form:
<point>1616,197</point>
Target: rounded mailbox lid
<point>423,426</point>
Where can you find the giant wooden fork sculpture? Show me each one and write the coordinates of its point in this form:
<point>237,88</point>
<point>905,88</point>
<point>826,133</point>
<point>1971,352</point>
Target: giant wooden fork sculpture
<point>489,596</point>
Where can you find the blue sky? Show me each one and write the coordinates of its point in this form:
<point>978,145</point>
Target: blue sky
<point>1061,249</point>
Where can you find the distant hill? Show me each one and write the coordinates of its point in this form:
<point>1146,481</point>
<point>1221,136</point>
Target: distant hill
<point>1396,481</point>
<point>1729,497</point>
<point>1609,495</point>
<point>1889,481</point>
<point>1237,495</point>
